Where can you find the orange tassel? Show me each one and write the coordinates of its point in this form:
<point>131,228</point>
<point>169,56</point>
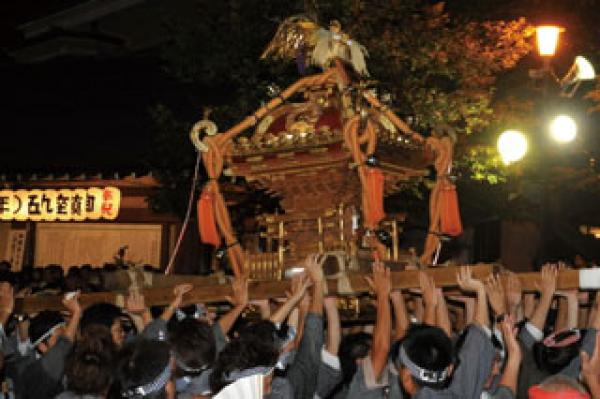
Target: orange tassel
<point>375,181</point>
<point>449,212</point>
<point>206,219</point>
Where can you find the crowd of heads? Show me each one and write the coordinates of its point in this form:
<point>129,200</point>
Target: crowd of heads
<point>53,279</point>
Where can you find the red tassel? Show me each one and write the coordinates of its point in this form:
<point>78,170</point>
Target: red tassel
<point>375,183</point>
<point>450,223</point>
<point>206,220</point>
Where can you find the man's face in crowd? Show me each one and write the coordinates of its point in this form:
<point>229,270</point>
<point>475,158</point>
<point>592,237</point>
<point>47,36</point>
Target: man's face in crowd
<point>117,332</point>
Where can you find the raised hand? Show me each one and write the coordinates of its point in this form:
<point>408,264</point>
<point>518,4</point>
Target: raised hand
<point>510,375</point>
<point>71,303</point>
<point>509,333</point>
<point>466,282</point>
<point>428,289</point>
<point>239,288</point>
<point>547,284</point>
<point>298,287</point>
<point>313,268</point>
<point>514,291</point>
<point>178,292</point>
<point>495,294</point>
<point>381,282</point>
<point>135,302</point>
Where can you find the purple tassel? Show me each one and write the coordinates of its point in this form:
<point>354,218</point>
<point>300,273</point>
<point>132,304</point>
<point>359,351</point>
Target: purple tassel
<point>301,60</point>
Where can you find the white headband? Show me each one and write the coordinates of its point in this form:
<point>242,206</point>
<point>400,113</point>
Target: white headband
<point>157,384</point>
<point>422,374</point>
<point>47,334</point>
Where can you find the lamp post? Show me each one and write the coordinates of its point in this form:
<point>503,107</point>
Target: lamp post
<point>512,145</point>
<point>547,42</point>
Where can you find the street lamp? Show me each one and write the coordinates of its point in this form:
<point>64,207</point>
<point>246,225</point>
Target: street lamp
<point>580,71</point>
<point>512,146</point>
<point>563,129</point>
<point>547,39</point>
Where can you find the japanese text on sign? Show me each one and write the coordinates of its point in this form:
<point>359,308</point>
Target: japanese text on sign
<point>61,205</point>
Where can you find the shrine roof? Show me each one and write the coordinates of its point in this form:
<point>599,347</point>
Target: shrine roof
<point>301,126</point>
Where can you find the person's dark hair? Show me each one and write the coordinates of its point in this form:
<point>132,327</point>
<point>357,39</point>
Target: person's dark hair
<point>109,267</point>
<point>7,276</point>
<point>141,363</point>
<point>100,313</point>
<point>193,344</point>
<point>5,265</point>
<point>353,347</point>
<point>73,271</point>
<point>263,330</point>
<point>242,354</point>
<point>553,359</point>
<point>42,323</point>
<point>266,331</point>
<point>429,348</point>
<point>90,365</point>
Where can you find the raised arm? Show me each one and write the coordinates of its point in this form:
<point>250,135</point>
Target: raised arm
<point>568,309</point>
<point>495,295</point>
<point>511,371</point>
<point>238,300</point>
<point>594,322</point>
<point>514,297</point>
<point>72,305</point>
<point>468,284</point>
<point>303,307</point>
<point>381,284</point>
<point>429,298</point>
<point>7,302</point>
<point>135,304</point>
<point>299,284</point>
<point>315,273</point>
<point>334,333</point>
<point>400,314</point>
<point>590,369</point>
<point>547,287</point>
<point>178,292</point>
<point>442,318</point>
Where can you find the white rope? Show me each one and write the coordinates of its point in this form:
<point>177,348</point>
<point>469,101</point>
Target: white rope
<point>188,213</point>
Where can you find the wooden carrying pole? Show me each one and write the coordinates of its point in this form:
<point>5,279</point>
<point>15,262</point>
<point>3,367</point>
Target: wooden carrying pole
<point>350,284</point>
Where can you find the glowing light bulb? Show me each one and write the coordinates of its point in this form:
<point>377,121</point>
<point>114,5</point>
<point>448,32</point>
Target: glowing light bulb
<point>512,146</point>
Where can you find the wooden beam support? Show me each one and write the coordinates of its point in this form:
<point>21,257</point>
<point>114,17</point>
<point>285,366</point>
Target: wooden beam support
<point>352,284</point>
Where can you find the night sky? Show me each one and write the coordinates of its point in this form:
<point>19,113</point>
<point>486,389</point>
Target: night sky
<point>88,114</point>
<point>74,114</point>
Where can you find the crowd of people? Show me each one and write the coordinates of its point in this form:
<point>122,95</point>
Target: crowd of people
<point>52,279</point>
<point>504,343</point>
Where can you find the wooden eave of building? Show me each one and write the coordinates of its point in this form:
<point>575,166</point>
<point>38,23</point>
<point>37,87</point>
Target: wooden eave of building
<point>135,189</point>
